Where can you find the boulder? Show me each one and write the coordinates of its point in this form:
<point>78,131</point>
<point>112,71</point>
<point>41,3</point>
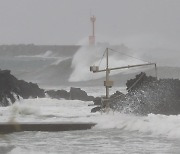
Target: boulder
<point>95,109</point>
<point>97,101</point>
<point>73,94</point>
<point>78,94</point>
<point>26,90</point>
<point>150,95</point>
<point>59,94</point>
<point>11,89</point>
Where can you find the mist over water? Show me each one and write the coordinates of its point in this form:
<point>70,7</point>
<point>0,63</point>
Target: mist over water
<point>147,30</point>
<point>152,47</point>
<point>69,65</point>
<point>114,133</point>
<point>52,110</point>
<point>148,46</point>
<point>47,54</point>
<point>88,56</point>
<point>82,60</point>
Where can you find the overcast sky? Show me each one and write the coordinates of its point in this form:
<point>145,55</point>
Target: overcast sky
<point>67,21</point>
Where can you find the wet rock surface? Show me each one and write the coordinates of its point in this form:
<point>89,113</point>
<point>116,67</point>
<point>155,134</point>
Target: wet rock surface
<point>73,94</point>
<point>59,94</point>
<point>11,89</point>
<point>148,95</point>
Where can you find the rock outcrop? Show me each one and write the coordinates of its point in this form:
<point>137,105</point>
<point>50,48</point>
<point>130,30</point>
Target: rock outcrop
<point>148,95</point>
<point>59,94</point>
<point>78,94</point>
<point>73,94</point>
<point>12,89</point>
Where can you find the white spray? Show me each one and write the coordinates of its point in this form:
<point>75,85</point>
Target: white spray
<point>87,56</point>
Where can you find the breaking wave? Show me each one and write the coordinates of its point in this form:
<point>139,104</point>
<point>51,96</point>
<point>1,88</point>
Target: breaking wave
<point>87,56</point>
<point>152,124</point>
<point>47,54</point>
<point>25,151</point>
<point>59,60</point>
<point>53,110</point>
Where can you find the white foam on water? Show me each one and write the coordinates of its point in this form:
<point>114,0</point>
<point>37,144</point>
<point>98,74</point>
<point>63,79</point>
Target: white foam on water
<point>154,124</point>
<point>53,110</point>
<point>45,109</point>
<point>47,54</point>
<point>19,150</point>
<point>88,56</point>
<point>60,59</point>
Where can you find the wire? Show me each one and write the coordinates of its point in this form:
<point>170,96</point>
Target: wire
<point>102,58</point>
<point>142,75</point>
<point>129,89</point>
<point>128,55</point>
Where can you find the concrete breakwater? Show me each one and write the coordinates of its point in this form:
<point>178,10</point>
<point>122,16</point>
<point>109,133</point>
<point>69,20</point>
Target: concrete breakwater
<point>48,127</point>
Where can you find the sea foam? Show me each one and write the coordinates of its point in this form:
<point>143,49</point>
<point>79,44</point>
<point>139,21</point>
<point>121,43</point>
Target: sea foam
<point>154,124</point>
<point>53,110</point>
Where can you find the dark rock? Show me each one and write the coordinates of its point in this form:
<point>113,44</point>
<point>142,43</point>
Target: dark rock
<point>58,94</point>
<point>97,101</point>
<point>12,89</point>
<point>118,95</point>
<point>139,81</point>
<point>27,90</point>
<point>78,94</point>
<point>95,109</point>
<point>113,100</point>
<point>150,95</point>
<point>74,94</point>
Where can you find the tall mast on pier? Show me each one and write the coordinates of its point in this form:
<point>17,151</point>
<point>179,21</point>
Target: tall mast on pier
<point>108,83</point>
<point>92,37</point>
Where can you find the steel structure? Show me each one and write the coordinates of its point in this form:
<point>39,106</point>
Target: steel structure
<point>108,83</point>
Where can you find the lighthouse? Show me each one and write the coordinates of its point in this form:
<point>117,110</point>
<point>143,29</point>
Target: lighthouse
<point>92,37</point>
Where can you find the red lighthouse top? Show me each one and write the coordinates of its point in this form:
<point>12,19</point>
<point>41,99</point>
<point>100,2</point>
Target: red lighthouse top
<point>92,37</point>
<point>93,18</point>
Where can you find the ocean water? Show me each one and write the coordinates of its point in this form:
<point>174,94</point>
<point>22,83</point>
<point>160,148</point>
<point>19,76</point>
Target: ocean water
<point>114,133</point>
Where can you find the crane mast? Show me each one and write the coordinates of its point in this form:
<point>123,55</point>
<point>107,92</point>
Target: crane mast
<point>108,83</point>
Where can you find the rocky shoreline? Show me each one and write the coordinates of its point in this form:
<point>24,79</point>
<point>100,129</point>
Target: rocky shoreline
<point>148,95</point>
<point>73,94</point>
<point>12,89</point>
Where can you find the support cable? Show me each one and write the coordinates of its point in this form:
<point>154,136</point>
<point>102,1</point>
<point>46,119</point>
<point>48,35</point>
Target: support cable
<point>129,87</point>
<point>128,55</point>
<point>102,58</point>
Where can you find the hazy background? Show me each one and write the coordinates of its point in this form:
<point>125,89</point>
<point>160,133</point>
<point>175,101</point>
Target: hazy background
<point>145,22</point>
<point>148,29</point>
<point>145,25</point>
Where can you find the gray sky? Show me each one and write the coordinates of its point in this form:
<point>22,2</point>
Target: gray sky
<point>147,22</point>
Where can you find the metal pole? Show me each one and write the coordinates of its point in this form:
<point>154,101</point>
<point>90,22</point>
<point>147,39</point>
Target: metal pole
<point>129,66</point>
<point>156,72</point>
<point>93,28</point>
<point>107,74</point>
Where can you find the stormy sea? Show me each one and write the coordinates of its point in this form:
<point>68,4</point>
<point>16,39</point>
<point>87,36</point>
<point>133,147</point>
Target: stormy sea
<point>62,67</point>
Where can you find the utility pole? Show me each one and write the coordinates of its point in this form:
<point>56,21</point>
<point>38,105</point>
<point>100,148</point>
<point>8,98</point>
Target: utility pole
<point>107,74</point>
<point>108,83</point>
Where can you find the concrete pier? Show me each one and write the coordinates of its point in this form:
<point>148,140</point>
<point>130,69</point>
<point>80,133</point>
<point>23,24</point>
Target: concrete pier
<point>49,127</point>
